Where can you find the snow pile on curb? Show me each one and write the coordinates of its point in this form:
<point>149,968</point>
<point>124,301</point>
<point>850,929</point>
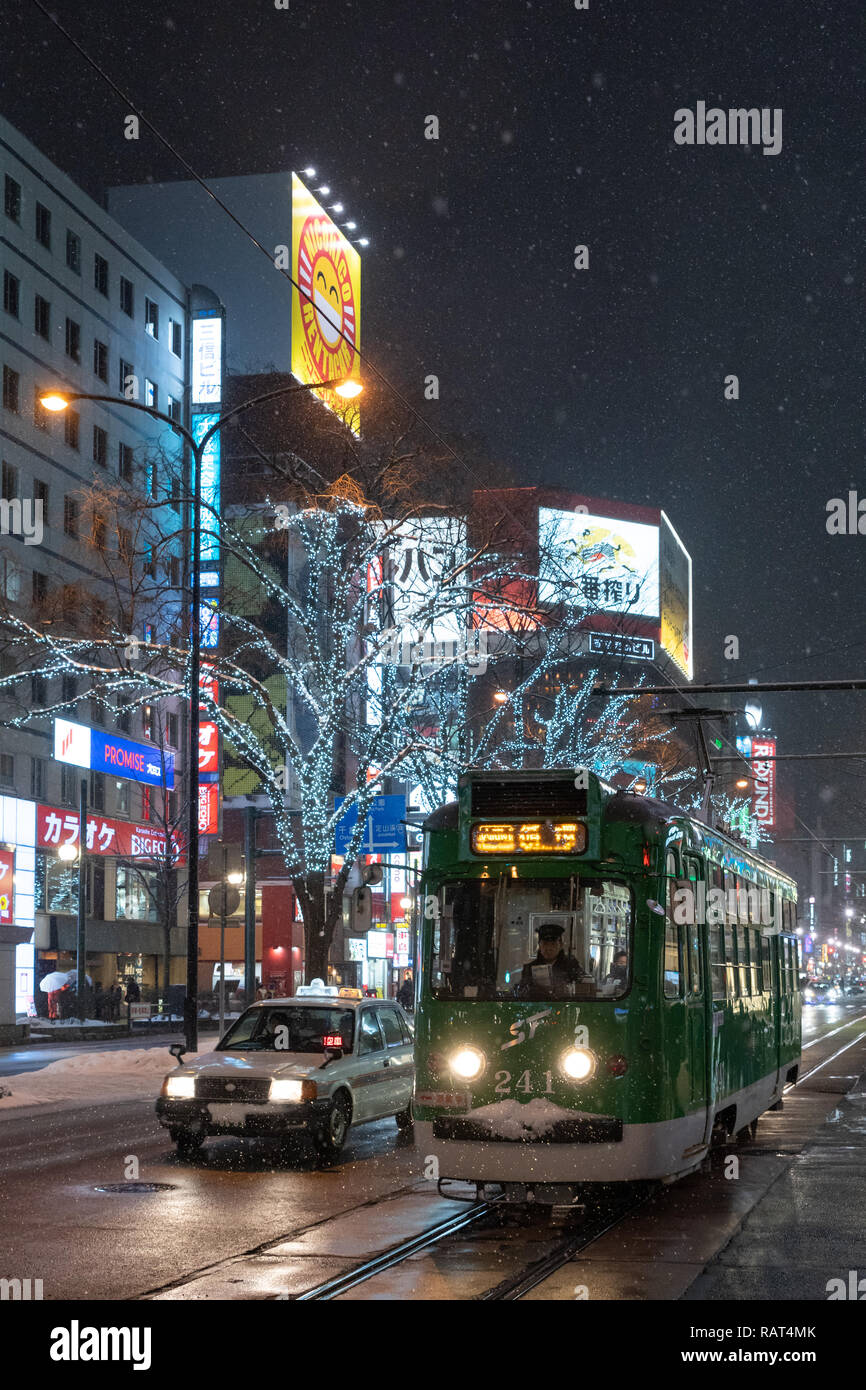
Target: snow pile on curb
<point>125,1074</point>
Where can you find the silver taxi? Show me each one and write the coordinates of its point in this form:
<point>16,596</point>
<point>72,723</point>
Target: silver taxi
<point>318,1062</point>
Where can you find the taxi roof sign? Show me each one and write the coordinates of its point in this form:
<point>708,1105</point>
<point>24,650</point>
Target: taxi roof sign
<point>317,988</point>
<point>351,993</point>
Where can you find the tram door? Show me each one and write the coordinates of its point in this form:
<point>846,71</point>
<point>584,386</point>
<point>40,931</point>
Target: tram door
<point>696,988</point>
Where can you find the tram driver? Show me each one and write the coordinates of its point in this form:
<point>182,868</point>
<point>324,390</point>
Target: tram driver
<point>551,969</point>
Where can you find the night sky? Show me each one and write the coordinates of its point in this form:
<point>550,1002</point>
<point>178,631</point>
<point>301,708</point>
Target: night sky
<point>556,128</point>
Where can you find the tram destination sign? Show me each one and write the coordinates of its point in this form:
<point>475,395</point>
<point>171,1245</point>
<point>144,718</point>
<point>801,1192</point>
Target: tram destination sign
<point>102,752</point>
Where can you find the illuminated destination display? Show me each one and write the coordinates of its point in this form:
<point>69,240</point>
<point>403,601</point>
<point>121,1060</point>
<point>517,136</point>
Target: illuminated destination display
<point>529,837</point>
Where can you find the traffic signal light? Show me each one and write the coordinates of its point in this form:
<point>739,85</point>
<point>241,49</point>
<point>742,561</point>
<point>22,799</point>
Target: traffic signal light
<point>361,917</point>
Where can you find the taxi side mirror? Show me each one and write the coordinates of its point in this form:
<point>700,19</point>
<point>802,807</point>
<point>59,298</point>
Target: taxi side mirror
<point>177,1050</point>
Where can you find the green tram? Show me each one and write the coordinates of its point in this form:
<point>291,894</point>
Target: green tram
<point>606,985</point>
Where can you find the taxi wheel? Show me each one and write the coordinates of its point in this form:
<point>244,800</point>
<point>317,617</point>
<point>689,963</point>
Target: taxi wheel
<point>188,1141</point>
<point>331,1139</point>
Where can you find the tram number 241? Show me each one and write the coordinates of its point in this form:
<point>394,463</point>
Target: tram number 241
<point>523,1083</point>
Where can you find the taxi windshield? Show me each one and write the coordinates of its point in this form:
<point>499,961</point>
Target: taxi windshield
<point>289,1029</point>
<point>532,938</point>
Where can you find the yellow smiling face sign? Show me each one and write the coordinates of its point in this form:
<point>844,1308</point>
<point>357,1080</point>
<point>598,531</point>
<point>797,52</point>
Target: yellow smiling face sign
<point>326,310</point>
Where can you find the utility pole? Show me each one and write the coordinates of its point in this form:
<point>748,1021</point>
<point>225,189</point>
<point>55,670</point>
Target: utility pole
<point>81,933</point>
<point>250,818</point>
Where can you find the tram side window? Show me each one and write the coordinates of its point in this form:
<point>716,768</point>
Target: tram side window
<point>767,962</point>
<point>792,962</point>
<point>743,959</point>
<point>717,961</point>
<point>673,960</point>
<point>731,960</point>
<point>756,962</point>
<point>693,941</point>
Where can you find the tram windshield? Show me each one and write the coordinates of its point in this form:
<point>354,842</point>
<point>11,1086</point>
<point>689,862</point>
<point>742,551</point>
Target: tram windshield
<point>532,938</point>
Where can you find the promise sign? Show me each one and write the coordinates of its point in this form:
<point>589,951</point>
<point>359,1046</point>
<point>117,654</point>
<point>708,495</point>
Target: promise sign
<point>764,781</point>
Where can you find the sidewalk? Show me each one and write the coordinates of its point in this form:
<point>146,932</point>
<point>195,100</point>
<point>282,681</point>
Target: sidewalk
<point>810,1226</point>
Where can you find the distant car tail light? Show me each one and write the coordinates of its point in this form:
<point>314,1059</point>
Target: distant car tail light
<point>283,1088</point>
<point>618,1065</point>
<point>179,1087</point>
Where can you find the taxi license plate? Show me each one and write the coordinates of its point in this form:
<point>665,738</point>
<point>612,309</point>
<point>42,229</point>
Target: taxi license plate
<point>228,1112</point>
<point>444,1100</point>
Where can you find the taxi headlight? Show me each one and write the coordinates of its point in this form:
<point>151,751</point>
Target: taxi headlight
<point>179,1087</point>
<point>467,1063</point>
<point>283,1088</point>
<point>578,1063</point>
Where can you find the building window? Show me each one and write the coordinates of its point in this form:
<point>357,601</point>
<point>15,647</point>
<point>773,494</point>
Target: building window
<point>136,895</point>
<point>147,721</point>
<point>70,517</point>
<point>124,462</point>
<point>174,571</point>
<point>40,494</point>
<point>152,479</point>
<point>11,293</point>
<point>11,382</point>
<point>73,251</point>
<point>38,687</point>
<point>43,226</point>
<point>100,360</point>
<point>99,532</point>
<point>123,716</point>
<point>172,730</point>
<point>41,417</point>
<point>73,340</point>
<point>8,481</point>
<point>12,199</point>
<point>124,544</point>
<point>100,274</point>
<point>100,446</point>
<point>127,297</point>
<point>151,318</point>
<point>175,494</point>
<point>127,379</point>
<point>172,408</point>
<point>37,777</point>
<point>121,797</point>
<point>145,804</point>
<point>69,789</point>
<point>42,317</point>
<point>40,588</point>
<point>151,394</point>
<point>7,769</point>
<point>175,337</point>
<point>71,427</point>
<point>10,588</point>
<point>97,790</point>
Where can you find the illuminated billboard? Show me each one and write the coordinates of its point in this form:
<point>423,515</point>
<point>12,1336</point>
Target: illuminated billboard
<point>326,309</point>
<point>598,563</point>
<point>675,584</point>
<point>102,752</point>
<point>206,360</point>
<point>764,781</point>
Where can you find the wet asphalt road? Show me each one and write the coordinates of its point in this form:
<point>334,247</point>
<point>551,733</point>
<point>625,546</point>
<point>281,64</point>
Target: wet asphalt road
<point>231,1198</point>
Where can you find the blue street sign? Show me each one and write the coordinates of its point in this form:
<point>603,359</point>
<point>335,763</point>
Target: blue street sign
<point>385,831</point>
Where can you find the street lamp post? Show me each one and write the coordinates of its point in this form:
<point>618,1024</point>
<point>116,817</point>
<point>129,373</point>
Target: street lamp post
<point>58,401</point>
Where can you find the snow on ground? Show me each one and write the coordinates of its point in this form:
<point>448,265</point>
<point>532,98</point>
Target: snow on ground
<point>125,1074</point>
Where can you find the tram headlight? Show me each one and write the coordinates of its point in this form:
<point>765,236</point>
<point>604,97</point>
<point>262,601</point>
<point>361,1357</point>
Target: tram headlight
<point>467,1063</point>
<point>578,1063</point>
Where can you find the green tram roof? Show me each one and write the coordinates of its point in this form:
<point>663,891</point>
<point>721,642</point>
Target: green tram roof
<point>629,808</point>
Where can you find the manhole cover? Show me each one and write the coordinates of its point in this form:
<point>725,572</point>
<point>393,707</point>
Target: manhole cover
<point>136,1187</point>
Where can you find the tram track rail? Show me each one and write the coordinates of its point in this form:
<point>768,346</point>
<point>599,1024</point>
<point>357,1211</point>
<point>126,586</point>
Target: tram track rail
<point>396,1255</point>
